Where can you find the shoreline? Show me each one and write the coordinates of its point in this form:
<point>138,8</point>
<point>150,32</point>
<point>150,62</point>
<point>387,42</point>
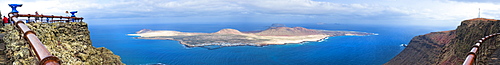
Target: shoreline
<point>233,44</point>
<point>233,37</point>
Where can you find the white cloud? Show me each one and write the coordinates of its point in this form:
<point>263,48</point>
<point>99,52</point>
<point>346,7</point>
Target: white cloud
<point>411,11</point>
<point>479,1</point>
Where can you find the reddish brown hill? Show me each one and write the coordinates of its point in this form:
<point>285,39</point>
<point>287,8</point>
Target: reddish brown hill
<point>143,31</point>
<point>287,31</point>
<point>228,31</point>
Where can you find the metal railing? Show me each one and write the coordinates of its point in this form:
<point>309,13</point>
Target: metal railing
<point>61,18</point>
<point>41,52</point>
<point>45,57</point>
<point>471,56</point>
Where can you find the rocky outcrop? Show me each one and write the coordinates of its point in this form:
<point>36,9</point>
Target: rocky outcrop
<point>287,31</point>
<point>143,31</point>
<point>228,31</point>
<point>70,42</point>
<point>423,49</point>
<point>17,49</point>
<point>451,47</point>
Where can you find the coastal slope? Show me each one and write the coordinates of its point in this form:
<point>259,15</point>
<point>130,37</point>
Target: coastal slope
<point>423,49</point>
<point>69,41</point>
<point>233,37</point>
<point>451,47</point>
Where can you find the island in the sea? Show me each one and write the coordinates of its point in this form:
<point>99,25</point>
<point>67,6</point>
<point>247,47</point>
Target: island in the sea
<point>231,37</point>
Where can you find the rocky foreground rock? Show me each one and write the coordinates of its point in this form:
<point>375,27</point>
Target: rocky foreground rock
<point>451,47</point>
<point>70,42</point>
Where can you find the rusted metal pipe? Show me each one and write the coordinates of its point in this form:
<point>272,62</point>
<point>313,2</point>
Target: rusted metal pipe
<point>469,60</point>
<point>11,17</point>
<point>23,28</point>
<point>476,45</point>
<point>42,53</point>
<point>471,56</point>
<point>473,50</point>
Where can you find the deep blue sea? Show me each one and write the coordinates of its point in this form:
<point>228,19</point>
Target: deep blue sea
<point>341,50</point>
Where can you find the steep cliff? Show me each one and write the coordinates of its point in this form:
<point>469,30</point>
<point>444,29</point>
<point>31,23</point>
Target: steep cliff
<point>70,42</point>
<point>451,47</point>
<point>424,49</point>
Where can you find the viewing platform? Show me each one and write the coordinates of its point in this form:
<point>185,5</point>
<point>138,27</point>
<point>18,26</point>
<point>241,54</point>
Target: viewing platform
<point>44,56</point>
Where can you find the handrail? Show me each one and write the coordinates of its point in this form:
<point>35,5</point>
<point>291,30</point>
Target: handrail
<point>471,56</point>
<point>49,16</point>
<point>41,52</point>
<point>12,15</point>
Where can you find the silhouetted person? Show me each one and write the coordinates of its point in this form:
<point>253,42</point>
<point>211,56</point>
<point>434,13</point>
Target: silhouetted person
<point>5,20</point>
<point>47,19</point>
<point>37,18</point>
<point>67,14</point>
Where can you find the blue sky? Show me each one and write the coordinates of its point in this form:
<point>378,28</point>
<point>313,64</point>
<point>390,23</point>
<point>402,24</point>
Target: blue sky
<point>383,12</point>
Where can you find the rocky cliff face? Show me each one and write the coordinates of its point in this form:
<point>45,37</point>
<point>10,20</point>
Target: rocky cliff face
<point>424,49</point>
<point>70,42</point>
<point>451,47</point>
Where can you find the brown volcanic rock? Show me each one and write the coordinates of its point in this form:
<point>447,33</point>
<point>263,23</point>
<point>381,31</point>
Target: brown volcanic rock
<point>228,31</point>
<point>467,34</point>
<point>143,31</point>
<point>287,31</point>
<point>451,47</point>
<point>69,41</point>
<point>423,49</point>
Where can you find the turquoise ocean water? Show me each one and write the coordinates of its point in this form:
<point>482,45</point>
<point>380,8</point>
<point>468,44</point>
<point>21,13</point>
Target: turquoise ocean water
<point>341,50</point>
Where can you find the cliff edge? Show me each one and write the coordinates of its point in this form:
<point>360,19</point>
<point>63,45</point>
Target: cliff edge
<point>451,47</point>
<point>70,42</point>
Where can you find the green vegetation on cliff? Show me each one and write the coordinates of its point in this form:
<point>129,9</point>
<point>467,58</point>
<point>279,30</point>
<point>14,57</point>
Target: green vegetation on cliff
<point>70,42</point>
